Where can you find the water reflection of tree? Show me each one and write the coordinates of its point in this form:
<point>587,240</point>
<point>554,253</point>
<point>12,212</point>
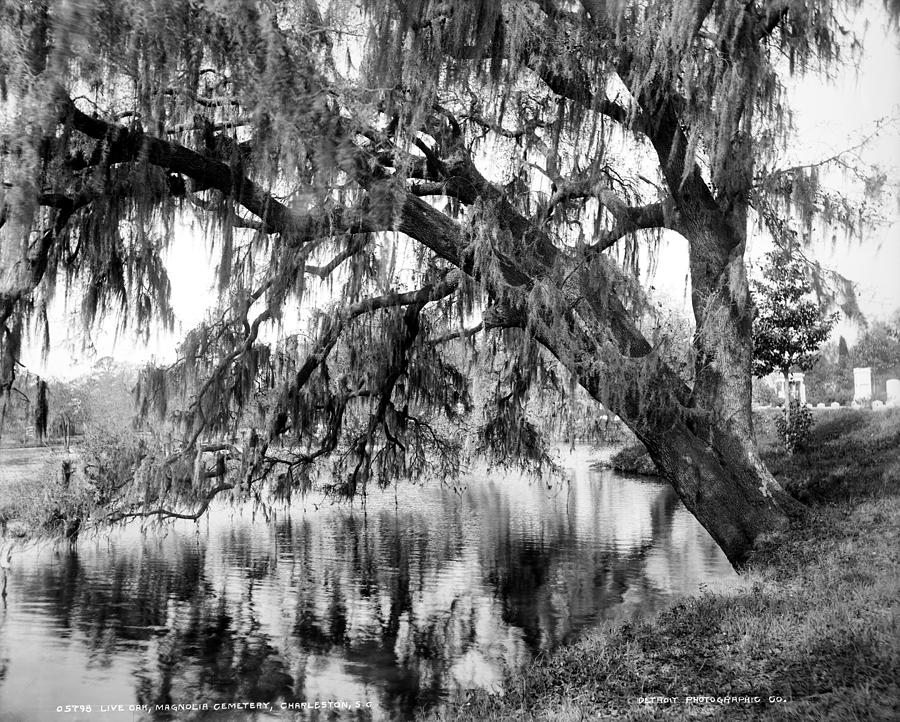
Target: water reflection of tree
<point>553,579</point>
<point>374,561</point>
<point>210,654</point>
<point>405,603</point>
<point>198,645</point>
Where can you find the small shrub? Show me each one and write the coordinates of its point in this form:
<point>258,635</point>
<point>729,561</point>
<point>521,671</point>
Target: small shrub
<point>68,490</point>
<point>54,504</point>
<point>109,458</point>
<point>793,426</point>
<point>634,459</point>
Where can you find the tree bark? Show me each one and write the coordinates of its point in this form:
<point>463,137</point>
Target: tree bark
<point>725,485</point>
<point>701,436</point>
<point>713,460</point>
<point>714,466</point>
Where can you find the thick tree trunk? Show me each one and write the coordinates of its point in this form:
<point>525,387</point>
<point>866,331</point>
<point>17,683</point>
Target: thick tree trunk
<point>714,464</point>
<point>719,476</point>
<point>725,485</point>
<point>708,453</point>
<point>700,435</point>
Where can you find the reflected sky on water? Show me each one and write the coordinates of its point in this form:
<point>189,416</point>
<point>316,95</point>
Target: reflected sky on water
<point>407,602</point>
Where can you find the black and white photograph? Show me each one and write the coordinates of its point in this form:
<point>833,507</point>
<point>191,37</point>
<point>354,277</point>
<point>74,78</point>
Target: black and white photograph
<point>449,360</point>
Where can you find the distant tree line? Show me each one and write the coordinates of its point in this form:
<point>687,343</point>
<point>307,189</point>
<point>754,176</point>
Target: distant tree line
<point>95,401</point>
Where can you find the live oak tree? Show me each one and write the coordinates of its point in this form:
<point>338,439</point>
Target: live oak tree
<point>419,183</point>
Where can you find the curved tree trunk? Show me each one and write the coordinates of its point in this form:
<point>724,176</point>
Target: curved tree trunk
<point>700,436</point>
<point>707,452</point>
<point>713,461</point>
<point>725,485</point>
<point>717,472</point>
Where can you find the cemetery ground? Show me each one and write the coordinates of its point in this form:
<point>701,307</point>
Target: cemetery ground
<point>810,628</point>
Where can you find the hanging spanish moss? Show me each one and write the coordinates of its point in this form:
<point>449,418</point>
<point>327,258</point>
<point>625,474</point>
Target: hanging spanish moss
<point>41,411</point>
<point>422,216</point>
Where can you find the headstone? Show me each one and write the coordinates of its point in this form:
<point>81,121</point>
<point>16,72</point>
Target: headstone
<point>835,405</point>
<point>809,406</point>
<point>799,387</point>
<point>820,405</point>
<point>877,404</point>
<point>778,381</point>
<point>862,385</point>
<point>893,392</point>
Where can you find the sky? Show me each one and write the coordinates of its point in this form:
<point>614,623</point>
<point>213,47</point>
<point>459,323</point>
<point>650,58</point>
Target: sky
<point>831,117</point>
<point>835,116</point>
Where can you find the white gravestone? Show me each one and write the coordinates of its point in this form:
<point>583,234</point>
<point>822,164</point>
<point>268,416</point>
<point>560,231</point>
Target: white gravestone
<point>893,392</point>
<point>798,387</point>
<point>862,385</point>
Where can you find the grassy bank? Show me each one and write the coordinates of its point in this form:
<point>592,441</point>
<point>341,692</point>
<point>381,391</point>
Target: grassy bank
<point>35,493</point>
<point>810,631</point>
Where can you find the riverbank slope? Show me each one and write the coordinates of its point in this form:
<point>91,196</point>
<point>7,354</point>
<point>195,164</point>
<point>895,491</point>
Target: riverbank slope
<point>810,631</point>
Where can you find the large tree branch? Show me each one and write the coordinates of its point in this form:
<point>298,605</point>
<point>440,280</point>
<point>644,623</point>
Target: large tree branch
<point>317,356</point>
<point>338,321</point>
<point>535,259</point>
<point>769,18</point>
<point>525,130</point>
<point>363,445</point>
<point>358,243</point>
<point>630,218</point>
<point>659,122</point>
<point>164,513</point>
<point>637,218</point>
<point>130,145</point>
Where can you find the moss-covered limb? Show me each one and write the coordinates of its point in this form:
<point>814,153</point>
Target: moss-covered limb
<point>810,621</point>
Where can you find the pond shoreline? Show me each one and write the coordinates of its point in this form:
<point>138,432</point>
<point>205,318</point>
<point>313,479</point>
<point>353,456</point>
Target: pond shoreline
<point>404,605</point>
<point>630,459</point>
<point>807,629</point>
<point>807,633</point>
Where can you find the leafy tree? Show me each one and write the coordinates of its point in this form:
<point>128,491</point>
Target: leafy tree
<point>843,354</point>
<point>97,402</point>
<point>879,345</point>
<point>788,329</point>
<point>69,411</point>
<point>831,379</point>
<point>510,143</point>
<point>790,325</point>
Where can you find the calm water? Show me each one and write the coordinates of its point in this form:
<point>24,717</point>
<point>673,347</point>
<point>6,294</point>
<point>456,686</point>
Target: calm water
<point>385,610</point>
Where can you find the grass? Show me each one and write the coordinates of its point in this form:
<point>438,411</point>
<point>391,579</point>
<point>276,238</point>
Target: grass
<point>810,629</point>
<point>852,454</point>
